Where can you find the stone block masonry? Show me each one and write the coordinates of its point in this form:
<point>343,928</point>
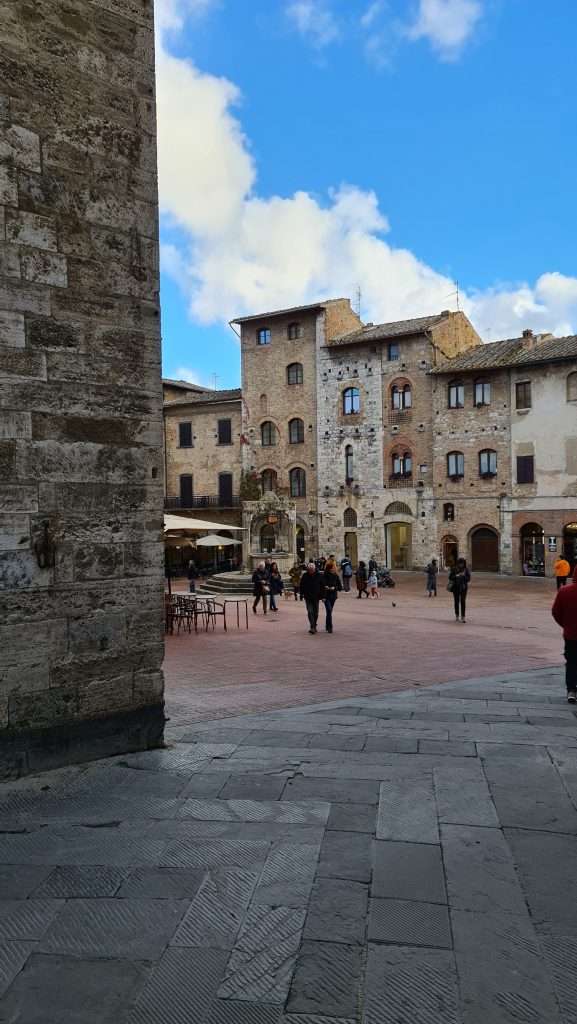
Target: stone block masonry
<point>81,472</point>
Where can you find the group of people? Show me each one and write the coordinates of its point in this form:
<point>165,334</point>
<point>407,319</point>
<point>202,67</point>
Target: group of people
<point>316,583</point>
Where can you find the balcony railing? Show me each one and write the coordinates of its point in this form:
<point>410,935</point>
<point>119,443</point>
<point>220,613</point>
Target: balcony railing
<point>201,501</point>
<point>401,480</point>
<point>399,416</point>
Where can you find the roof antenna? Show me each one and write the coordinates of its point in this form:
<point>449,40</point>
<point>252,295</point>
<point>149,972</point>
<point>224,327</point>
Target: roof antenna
<point>214,378</point>
<point>358,301</point>
<point>456,292</point>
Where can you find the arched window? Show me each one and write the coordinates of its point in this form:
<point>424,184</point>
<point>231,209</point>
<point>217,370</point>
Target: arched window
<point>449,512</point>
<point>349,467</point>
<point>294,373</point>
<point>572,387</point>
<point>455,465</point>
<point>487,462</point>
<point>402,464</point>
<point>482,392</point>
<point>351,401</point>
<point>268,480</point>
<point>268,434</point>
<point>296,431</point>
<point>263,336</point>
<point>349,518</point>
<point>298,483</point>
<point>401,396</point>
<point>267,538</point>
<point>398,508</point>
<point>456,395</point>
<point>294,331</point>
<point>263,404</point>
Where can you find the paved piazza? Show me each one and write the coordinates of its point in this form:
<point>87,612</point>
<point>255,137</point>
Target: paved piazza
<point>394,858</point>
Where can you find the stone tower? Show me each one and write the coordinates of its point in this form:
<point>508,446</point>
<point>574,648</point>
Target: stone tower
<point>81,642</point>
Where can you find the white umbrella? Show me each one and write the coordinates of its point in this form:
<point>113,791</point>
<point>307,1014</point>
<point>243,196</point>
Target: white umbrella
<point>194,525</point>
<point>213,541</point>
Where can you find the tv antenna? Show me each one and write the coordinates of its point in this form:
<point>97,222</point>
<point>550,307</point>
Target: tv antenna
<point>215,378</point>
<point>455,294</point>
<point>358,297</point>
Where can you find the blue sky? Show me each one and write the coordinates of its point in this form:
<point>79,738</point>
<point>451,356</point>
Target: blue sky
<point>307,146</point>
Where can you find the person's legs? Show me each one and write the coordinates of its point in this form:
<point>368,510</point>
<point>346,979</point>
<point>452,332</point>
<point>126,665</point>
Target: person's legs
<point>312,613</point>
<point>463,604</point>
<point>346,584</point>
<point>329,602</point>
<point>273,606</point>
<point>192,586</point>
<point>571,666</point>
<point>456,597</point>
<point>255,604</point>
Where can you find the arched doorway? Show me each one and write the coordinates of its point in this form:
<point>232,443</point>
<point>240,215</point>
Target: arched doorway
<point>570,543</point>
<point>398,538</point>
<point>532,538</point>
<point>351,548</point>
<point>449,551</point>
<point>300,544</point>
<point>484,550</point>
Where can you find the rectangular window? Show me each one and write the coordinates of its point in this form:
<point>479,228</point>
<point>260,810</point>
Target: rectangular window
<point>523,394</point>
<point>482,393</point>
<point>456,396</point>
<point>225,432</point>
<point>487,463</point>
<point>185,435</point>
<point>525,469</point>
<point>225,489</point>
<point>394,351</point>
<point>263,336</point>
<point>455,464</point>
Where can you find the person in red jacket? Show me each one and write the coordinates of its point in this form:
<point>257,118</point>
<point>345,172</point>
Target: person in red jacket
<point>564,612</point>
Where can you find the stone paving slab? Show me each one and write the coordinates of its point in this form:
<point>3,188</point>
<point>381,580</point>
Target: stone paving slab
<point>231,880</point>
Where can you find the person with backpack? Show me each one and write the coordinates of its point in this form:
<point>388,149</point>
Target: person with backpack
<point>347,572</point>
<point>459,579</point>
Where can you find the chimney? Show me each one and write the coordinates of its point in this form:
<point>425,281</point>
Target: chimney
<point>527,333</point>
<point>530,340</point>
<point>445,312</point>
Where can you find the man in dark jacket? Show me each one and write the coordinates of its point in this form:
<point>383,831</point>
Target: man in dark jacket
<point>311,590</point>
<point>260,587</point>
<point>564,612</point>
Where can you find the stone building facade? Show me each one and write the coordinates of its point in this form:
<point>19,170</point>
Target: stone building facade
<point>81,457</point>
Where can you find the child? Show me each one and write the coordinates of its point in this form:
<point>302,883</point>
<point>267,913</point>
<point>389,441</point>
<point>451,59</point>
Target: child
<point>373,584</point>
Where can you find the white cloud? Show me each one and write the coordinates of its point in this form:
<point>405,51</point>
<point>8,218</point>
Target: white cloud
<point>190,376</point>
<point>447,24</point>
<point>315,21</point>
<point>372,13</point>
<point>171,14</point>
<point>247,252</point>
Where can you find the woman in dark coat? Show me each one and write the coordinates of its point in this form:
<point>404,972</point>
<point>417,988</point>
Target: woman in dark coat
<point>459,579</point>
<point>362,577</point>
<point>276,586</point>
<point>331,586</point>
<point>260,587</point>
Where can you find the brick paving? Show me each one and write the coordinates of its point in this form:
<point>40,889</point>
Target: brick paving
<point>401,641</point>
<point>402,858</point>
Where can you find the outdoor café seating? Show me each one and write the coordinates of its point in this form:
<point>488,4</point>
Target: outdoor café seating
<point>185,611</point>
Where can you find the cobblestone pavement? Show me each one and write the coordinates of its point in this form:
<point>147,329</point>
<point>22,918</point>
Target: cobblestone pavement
<point>398,859</point>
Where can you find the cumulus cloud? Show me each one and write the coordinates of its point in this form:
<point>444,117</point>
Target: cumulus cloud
<point>247,252</point>
<point>315,20</point>
<point>190,376</point>
<point>446,24</point>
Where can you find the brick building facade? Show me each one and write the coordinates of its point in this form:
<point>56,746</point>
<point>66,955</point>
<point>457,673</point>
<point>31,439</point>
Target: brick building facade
<point>405,440</point>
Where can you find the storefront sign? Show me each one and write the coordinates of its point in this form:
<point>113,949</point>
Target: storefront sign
<point>552,543</point>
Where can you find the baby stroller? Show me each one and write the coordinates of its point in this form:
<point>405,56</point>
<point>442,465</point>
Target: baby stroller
<point>384,578</point>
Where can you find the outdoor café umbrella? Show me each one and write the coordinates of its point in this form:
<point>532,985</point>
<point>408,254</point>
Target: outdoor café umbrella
<point>214,541</point>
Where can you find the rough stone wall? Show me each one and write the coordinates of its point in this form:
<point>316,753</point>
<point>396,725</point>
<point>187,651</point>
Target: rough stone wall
<point>454,334</point>
<point>207,458</point>
<point>477,501</point>
<point>81,480</point>
<point>268,396</point>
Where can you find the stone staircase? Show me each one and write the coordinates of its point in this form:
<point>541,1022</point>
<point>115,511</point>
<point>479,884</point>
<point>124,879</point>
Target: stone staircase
<point>235,584</point>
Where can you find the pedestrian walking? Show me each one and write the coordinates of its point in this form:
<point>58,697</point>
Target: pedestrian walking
<point>564,612</point>
<point>311,588</point>
<point>347,572</point>
<point>260,587</point>
<point>459,579</point>
<point>192,573</point>
<point>431,571</point>
<point>373,584</point>
<point>331,587</point>
<point>361,578</point>
<point>276,586</point>
<point>562,571</point>
<point>295,578</point>
<point>373,565</point>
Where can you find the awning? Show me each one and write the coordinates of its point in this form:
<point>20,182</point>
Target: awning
<point>213,541</point>
<point>194,525</point>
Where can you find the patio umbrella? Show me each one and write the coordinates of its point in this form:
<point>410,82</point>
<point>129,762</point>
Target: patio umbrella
<point>214,541</point>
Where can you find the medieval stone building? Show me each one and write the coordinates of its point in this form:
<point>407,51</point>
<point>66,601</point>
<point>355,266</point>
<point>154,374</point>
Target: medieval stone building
<point>81,457</point>
<point>401,441</point>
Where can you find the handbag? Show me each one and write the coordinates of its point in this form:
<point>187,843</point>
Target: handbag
<point>451,585</point>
